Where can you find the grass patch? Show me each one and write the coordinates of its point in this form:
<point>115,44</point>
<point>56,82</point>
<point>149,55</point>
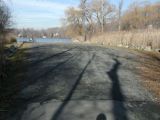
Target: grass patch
<point>14,74</point>
<point>150,72</point>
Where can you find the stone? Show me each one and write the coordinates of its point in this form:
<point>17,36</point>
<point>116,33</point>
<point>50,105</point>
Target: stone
<point>148,48</point>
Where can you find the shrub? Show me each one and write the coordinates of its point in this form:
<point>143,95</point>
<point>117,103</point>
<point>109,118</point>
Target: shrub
<point>13,40</point>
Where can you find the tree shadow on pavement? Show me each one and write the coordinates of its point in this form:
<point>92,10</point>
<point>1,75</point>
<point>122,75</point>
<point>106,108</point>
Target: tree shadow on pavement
<point>70,94</point>
<point>51,56</point>
<point>34,67</point>
<point>119,110</point>
<point>31,78</point>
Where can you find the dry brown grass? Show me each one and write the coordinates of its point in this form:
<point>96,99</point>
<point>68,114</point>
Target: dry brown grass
<point>150,72</point>
<point>139,39</point>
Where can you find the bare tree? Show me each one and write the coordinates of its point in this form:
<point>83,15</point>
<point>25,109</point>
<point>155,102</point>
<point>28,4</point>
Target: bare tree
<point>120,14</point>
<point>141,16</point>
<point>103,11</point>
<point>4,23</point>
<point>91,16</point>
<point>4,16</point>
<point>74,21</point>
<point>84,10</point>
<point>102,15</point>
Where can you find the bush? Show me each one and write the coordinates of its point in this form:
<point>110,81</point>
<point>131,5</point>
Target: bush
<point>13,40</point>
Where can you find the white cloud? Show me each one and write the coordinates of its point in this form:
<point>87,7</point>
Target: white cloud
<point>40,4</point>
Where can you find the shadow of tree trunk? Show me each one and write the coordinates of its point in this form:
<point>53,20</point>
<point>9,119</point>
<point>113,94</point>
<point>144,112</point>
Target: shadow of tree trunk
<point>70,94</point>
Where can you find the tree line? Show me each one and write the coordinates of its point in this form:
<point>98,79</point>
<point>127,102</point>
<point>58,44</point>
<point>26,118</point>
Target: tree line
<point>98,16</point>
<point>32,33</point>
<point>5,22</point>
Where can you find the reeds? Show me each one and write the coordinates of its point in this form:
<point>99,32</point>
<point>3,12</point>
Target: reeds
<point>139,39</point>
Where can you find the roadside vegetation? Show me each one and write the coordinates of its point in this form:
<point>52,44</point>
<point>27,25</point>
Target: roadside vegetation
<point>149,70</point>
<point>4,24</point>
<point>106,24</point>
<point>10,61</point>
<point>136,39</point>
<point>14,71</point>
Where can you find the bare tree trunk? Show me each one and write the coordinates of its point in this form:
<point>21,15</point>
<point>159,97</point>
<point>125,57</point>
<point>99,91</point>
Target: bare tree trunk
<point>2,59</point>
<point>4,24</point>
<point>120,14</point>
<point>102,15</point>
<point>83,6</point>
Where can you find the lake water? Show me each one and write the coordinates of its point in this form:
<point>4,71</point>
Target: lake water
<point>45,40</point>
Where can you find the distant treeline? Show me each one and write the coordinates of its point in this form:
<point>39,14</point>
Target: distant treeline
<point>32,33</point>
<point>98,16</point>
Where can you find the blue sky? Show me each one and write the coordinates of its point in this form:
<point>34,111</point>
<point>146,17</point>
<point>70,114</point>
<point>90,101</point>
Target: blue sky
<point>41,14</point>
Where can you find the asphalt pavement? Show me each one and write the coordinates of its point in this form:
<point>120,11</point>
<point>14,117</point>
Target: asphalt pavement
<point>82,82</point>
